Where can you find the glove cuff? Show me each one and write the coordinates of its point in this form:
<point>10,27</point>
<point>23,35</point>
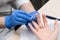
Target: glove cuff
<point>8,22</point>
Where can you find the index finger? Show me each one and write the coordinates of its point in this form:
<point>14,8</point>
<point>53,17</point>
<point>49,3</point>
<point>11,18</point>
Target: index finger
<point>45,20</point>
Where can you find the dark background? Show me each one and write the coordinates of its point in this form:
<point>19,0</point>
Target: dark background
<point>38,3</point>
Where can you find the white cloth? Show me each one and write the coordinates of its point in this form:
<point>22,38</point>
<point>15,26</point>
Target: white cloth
<point>18,3</point>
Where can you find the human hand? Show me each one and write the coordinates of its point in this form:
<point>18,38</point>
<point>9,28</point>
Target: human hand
<point>33,17</point>
<point>18,17</point>
<point>44,32</point>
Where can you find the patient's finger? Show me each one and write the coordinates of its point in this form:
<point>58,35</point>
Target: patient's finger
<point>35,25</point>
<point>39,20</point>
<point>31,27</point>
<point>56,25</point>
<point>45,20</point>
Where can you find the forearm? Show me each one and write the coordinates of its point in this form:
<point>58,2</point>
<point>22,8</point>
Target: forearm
<point>2,24</point>
<point>28,7</point>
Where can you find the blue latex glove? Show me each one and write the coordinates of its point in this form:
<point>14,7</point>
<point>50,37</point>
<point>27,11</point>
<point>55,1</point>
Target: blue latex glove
<point>18,17</point>
<point>33,17</point>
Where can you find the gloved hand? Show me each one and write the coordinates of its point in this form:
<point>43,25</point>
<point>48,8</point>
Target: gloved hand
<point>32,17</point>
<point>18,17</point>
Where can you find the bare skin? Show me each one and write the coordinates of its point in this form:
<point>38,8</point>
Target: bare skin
<point>2,22</point>
<point>28,7</point>
<point>44,33</point>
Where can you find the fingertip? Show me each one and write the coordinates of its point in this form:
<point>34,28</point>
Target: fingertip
<point>31,27</point>
<point>56,24</point>
<point>43,15</point>
<point>32,21</point>
<point>56,21</point>
<point>37,15</point>
<point>28,23</point>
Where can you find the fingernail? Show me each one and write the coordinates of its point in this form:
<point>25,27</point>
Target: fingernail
<point>56,20</point>
<point>28,23</point>
<point>36,14</point>
<point>33,21</point>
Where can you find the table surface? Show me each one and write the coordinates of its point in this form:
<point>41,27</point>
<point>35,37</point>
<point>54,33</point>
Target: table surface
<point>52,8</point>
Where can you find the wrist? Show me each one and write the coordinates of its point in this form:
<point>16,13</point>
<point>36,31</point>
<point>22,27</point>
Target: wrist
<point>8,22</point>
<point>2,24</point>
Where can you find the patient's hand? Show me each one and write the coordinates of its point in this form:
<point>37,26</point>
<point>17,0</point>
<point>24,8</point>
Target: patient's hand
<point>44,32</point>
